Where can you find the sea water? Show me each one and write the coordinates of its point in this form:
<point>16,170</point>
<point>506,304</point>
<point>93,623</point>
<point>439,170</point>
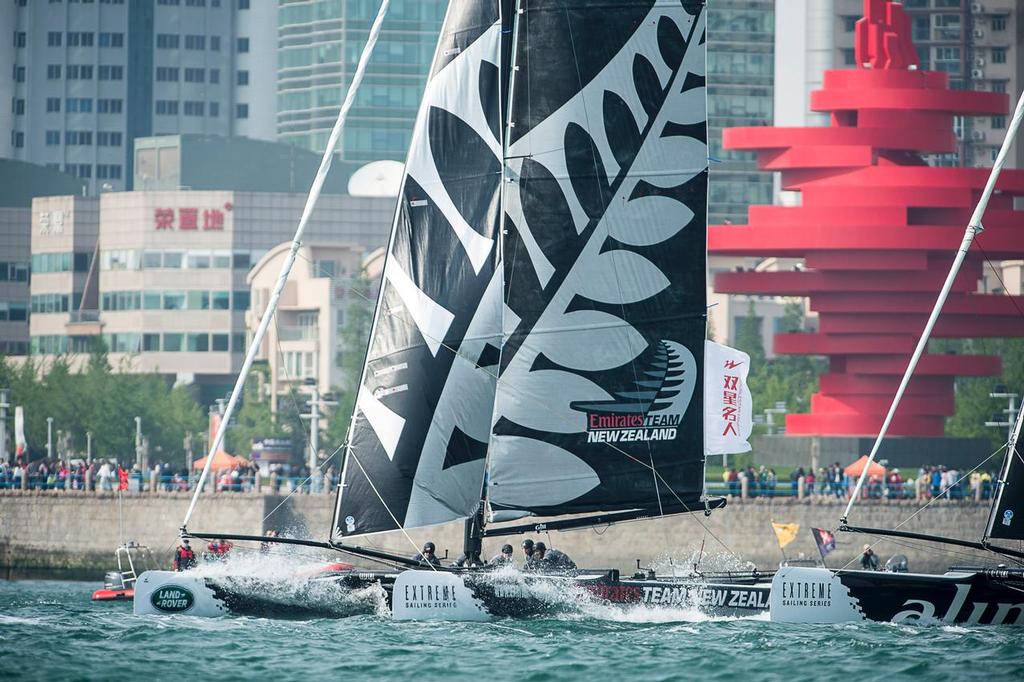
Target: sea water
<point>50,630</point>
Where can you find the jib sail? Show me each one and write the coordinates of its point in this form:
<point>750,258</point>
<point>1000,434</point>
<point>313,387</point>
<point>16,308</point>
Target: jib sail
<point>599,400</point>
<point>1006,521</point>
<point>419,435</point>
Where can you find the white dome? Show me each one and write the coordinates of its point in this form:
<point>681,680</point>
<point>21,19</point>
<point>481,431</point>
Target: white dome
<point>377,179</point>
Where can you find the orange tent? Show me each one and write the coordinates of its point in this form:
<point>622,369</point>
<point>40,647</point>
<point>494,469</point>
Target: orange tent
<point>855,469</point>
<point>221,460</point>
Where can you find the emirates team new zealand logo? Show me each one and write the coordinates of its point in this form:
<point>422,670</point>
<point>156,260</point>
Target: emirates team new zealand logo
<point>653,407</point>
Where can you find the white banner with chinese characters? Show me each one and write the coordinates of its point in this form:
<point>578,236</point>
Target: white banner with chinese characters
<point>728,405</point>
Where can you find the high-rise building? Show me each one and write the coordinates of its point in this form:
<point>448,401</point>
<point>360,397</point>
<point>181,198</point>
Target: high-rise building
<point>87,78</point>
<point>319,43</point>
<point>741,38</point>
<point>977,43</point>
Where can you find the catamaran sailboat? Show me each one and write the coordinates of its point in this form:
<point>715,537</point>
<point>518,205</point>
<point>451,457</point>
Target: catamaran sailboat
<point>967,594</point>
<point>538,347</point>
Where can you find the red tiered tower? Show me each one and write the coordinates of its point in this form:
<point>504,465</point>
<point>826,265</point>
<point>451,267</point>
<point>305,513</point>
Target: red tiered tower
<point>877,229</point>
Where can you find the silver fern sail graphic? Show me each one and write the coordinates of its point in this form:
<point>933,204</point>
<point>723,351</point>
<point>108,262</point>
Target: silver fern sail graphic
<point>419,433</point>
<point>604,256</point>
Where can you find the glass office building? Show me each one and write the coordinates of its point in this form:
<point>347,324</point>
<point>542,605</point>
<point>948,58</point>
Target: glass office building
<point>319,43</point>
<point>741,43</point>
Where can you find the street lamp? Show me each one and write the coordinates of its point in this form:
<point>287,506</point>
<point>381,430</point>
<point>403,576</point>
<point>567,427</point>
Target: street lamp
<point>138,441</point>
<point>1000,392</point>
<point>49,438</point>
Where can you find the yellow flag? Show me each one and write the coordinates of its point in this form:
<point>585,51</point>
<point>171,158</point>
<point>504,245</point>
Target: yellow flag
<point>785,532</point>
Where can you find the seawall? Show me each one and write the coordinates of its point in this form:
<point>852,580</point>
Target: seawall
<point>53,535</point>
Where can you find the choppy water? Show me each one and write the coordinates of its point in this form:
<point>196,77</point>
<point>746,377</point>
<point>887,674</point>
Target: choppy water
<point>51,631</point>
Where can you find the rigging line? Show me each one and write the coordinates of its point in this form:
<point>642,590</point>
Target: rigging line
<point>921,546</point>
<point>307,212</point>
<point>995,271</point>
<point>974,226</point>
<point>354,458</point>
<point>932,500</point>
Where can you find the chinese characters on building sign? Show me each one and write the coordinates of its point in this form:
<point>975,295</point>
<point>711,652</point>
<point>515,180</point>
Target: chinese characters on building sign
<point>190,218</point>
<point>52,222</point>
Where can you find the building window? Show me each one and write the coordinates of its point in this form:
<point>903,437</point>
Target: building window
<point>998,86</point>
<point>53,104</point>
<point>81,105</point>
<point>240,300</point>
<point>998,23</point>
<point>17,139</point>
<point>108,139</point>
<point>167,73</point>
<point>151,342</point>
<point>193,42</point>
<point>111,39</point>
<point>172,343</point>
<point>80,38</point>
<point>218,342</point>
<point>170,3</point>
<point>849,57</point>
<point>78,137</point>
<point>243,4</point>
<point>998,122</point>
<point>220,300</point>
<point>18,107</point>
<point>108,171</point>
<point>243,45</point>
<point>166,107</point>
<point>241,111</point>
<point>52,138</point>
<point>195,3</point>
<point>214,109</point>
<point>242,77</point>
<point>215,75</point>
<point>198,343</point>
<point>109,106</point>
<point>194,108</point>
<point>109,72</point>
<point>215,43</point>
<point>195,75</point>
<point>54,39</point>
<point>53,72</point>
<point>19,39</point>
<point>19,74</point>
<point>79,72</point>
<point>998,55</point>
<point>167,41</point>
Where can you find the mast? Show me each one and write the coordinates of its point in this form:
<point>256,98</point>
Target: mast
<point>974,227</point>
<point>275,296</point>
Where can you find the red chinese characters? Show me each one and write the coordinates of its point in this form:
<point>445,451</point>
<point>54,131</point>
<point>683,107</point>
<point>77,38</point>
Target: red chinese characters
<point>731,401</point>
<point>188,219</point>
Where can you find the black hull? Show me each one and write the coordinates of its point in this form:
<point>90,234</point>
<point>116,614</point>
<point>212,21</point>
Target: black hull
<point>983,596</point>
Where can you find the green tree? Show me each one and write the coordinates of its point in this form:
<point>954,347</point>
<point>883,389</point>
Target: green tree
<point>354,337</point>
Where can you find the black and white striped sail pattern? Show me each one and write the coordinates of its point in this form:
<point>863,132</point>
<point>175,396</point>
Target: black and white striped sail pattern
<point>562,349</point>
<point>420,429</point>
<point>599,400</point>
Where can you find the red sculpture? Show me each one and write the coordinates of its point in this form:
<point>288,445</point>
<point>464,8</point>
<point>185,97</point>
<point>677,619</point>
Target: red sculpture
<point>877,229</point>
<point>883,37</point>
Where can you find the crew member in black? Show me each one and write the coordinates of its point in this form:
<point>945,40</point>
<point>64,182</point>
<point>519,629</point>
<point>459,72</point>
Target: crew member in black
<point>528,553</point>
<point>503,559</point>
<point>184,557</point>
<point>552,559</point>
<point>427,556</point>
<point>869,560</point>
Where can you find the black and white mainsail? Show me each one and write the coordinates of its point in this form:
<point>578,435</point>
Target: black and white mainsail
<point>543,306</point>
<point>598,406</point>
